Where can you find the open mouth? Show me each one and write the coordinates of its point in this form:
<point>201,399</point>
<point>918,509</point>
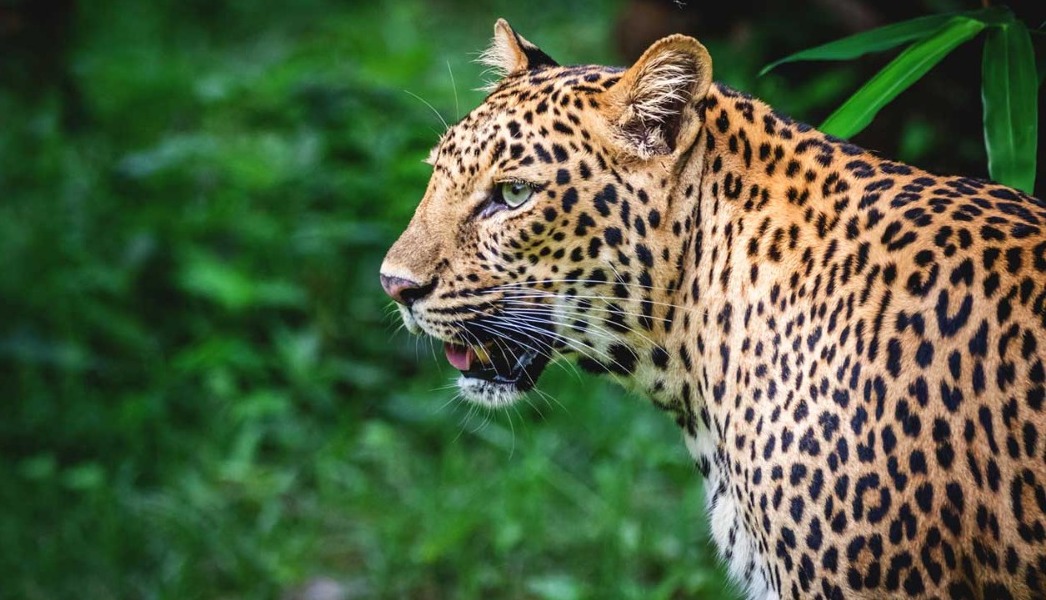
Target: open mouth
<point>502,361</point>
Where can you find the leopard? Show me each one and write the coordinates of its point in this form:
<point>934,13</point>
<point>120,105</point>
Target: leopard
<point>849,345</point>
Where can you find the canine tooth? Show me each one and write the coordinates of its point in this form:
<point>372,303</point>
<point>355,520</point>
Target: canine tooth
<point>481,354</point>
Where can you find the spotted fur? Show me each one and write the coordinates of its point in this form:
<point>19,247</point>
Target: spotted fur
<point>850,345</point>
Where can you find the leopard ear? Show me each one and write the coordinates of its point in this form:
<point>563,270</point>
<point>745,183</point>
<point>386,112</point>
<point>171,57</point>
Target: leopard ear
<point>653,108</point>
<point>511,53</point>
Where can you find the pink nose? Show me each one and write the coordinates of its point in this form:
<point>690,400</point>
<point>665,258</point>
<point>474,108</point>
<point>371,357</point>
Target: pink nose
<point>405,291</point>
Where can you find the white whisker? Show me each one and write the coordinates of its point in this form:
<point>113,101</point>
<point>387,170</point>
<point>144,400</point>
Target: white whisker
<point>539,294</point>
<point>579,310</point>
<point>607,335</point>
<point>592,282</point>
<point>433,108</point>
<point>570,342</point>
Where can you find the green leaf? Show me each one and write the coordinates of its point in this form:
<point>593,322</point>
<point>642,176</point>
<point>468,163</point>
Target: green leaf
<point>865,42</point>
<point>856,113</point>
<point>1009,90</point>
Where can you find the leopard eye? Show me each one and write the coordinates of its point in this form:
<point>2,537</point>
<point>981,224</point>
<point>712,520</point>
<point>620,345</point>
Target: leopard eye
<point>513,193</point>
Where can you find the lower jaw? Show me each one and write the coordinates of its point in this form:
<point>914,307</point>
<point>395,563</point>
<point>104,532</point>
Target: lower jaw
<point>491,394</point>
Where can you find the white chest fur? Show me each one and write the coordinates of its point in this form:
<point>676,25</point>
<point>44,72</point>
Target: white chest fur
<point>737,547</point>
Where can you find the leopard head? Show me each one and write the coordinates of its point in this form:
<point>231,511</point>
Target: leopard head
<point>546,229</point>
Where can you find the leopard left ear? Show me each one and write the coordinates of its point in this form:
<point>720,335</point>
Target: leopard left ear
<point>653,108</point>
<point>511,53</point>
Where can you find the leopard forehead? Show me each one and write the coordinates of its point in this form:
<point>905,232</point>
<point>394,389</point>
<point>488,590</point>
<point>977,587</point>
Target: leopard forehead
<point>522,108</point>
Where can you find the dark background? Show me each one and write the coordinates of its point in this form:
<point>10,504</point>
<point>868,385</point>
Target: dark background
<point>205,394</point>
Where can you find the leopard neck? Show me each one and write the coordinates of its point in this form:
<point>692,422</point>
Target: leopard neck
<point>736,212</point>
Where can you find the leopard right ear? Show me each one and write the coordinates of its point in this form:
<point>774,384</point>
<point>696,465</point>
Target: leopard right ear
<point>653,108</point>
<point>511,53</point>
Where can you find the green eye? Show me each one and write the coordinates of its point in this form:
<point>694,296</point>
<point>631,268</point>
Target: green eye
<point>514,193</point>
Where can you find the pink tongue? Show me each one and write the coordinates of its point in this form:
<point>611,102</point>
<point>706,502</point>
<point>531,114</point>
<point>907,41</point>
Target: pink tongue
<point>460,357</point>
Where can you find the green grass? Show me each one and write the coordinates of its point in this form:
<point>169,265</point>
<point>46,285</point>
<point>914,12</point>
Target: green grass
<point>206,396</point>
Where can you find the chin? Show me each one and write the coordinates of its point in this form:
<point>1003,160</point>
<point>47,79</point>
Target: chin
<point>490,394</point>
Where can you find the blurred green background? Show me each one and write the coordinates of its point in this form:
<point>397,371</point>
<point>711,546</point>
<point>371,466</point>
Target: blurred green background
<point>206,395</point>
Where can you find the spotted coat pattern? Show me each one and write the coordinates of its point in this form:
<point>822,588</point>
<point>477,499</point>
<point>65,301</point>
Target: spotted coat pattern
<point>850,345</point>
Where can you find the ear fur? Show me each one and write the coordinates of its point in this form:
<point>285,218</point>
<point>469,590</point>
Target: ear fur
<point>652,108</point>
<point>511,53</point>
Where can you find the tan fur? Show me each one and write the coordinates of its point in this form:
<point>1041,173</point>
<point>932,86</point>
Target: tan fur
<point>852,347</point>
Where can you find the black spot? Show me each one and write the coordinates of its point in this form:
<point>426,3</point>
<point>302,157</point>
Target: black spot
<point>798,473</point>
<point>569,199</point>
<point>608,195</point>
<point>722,122</point>
<point>795,508</point>
<point>830,559</point>
<point>584,221</point>
<point>1013,259</point>
<point>924,355</point>
<point>951,396</point>
<point>594,245</point>
<point>543,154</point>
<point>950,325</point>
<point>954,493</point>
<point>644,256</point>
<point>924,497</point>
<point>624,360</point>
<point>659,356</point>
<point>979,342</point>
<point>562,128</point>
<point>654,218</point>
<point>963,273</point>
<point>989,233</point>
<point>560,153</point>
<point>893,357</point>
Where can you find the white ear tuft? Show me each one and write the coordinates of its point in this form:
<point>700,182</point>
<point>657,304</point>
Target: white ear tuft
<point>661,87</point>
<point>654,102</point>
<point>511,53</point>
<point>501,56</point>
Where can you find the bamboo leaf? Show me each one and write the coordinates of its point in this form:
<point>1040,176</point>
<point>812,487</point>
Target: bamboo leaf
<point>865,42</point>
<point>1009,91</point>
<point>858,111</point>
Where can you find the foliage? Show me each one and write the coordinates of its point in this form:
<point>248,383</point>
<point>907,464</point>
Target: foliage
<point>1009,82</point>
<point>1011,110</point>
<point>206,395</point>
